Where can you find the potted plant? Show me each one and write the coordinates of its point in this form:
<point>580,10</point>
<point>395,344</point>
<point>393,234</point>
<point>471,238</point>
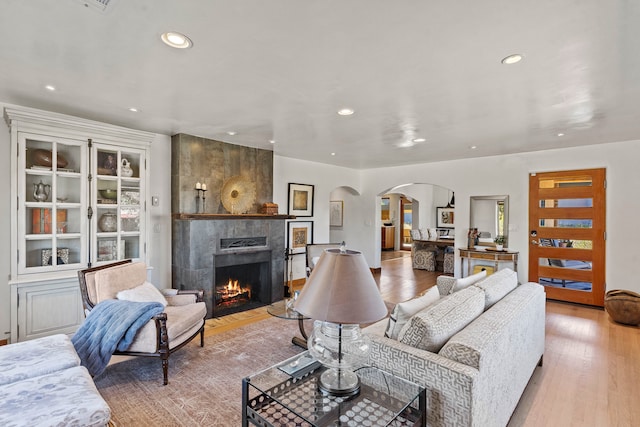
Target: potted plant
<point>499,241</point>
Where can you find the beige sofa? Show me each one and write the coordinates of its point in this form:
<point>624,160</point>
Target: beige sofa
<point>474,349</point>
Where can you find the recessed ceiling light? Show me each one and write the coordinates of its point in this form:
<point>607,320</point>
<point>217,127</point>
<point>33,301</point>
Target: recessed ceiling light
<point>133,109</point>
<point>473,147</point>
<point>560,134</point>
<point>50,87</point>
<point>419,139</point>
<point>512,59</point>
<point>177,40</point>
<point>345,111</point>
<point>333,154</point>
<point>272,141</point>
<point>231,132</point>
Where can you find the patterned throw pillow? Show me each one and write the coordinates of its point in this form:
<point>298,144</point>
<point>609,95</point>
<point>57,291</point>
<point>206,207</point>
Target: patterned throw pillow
<point>432,327</point>
<point>465,282</point>
<point>497,286</point>
<point>403,311</point>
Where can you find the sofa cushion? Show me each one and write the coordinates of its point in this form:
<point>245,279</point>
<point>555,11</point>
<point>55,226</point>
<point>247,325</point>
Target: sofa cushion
<point>180,324</point>
<point>36,357</point>
<point>432,327</point>
<point>143,293</point>
<point>498,285</point>
<point>403,311</point>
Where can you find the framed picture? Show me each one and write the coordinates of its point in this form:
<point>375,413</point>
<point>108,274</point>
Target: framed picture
<point>300,234</point>
<point>336,213</point>
<point>444,217</point>
<point>300,199</point>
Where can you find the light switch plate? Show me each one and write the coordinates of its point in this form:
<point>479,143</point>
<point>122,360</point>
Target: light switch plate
<point>155,201</point>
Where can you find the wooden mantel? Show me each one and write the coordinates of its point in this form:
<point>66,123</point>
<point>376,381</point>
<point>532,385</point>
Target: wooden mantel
<point>206,216</point>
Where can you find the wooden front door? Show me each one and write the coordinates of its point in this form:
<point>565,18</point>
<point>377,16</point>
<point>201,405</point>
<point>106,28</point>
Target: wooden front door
<point>567,234</point>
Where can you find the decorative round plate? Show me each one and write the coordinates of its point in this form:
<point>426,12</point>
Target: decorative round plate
<point>238,195</point>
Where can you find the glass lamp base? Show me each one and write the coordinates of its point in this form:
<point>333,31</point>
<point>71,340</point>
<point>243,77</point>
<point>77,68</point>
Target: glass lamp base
<point>339,382</point>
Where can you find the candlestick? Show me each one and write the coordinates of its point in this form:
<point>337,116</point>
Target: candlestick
<point>204,187</point>
<point>198,186</point>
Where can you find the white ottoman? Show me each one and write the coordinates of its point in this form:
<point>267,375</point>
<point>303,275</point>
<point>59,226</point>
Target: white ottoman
<point>64,398</point>
<point>37,357</point>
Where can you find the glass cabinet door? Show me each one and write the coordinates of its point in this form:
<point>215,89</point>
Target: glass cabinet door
<point>51,207</point>
<point>118,197</point>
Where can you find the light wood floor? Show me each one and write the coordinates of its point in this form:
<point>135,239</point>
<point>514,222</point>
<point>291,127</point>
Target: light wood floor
<point>591,370</point>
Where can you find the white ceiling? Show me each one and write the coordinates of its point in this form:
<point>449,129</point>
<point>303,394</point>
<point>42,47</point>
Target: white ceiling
<point>280,69</point>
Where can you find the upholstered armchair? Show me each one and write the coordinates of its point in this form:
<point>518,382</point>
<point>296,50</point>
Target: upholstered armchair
<point>181,321</point>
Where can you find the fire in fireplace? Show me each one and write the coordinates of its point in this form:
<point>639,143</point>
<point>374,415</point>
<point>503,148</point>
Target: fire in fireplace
<point>241,282</point>
<point>232,294</point>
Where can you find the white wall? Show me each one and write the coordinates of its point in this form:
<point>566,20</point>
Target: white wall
<point>489,175</point>
<point>510,175</point>
<point>325,179</point>
<point>5,227</point>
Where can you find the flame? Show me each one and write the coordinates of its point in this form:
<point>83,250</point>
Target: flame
<point>233,288</point>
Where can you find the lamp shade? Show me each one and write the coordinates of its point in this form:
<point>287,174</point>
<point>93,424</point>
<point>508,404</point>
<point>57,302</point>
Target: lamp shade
<point>341,289</point>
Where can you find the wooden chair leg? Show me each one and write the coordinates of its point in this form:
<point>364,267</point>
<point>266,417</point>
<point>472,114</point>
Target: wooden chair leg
<point>165,369</point>
<point>202,337</point>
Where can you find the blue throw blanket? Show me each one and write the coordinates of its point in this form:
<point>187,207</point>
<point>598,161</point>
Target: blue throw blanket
<point>111,324</point>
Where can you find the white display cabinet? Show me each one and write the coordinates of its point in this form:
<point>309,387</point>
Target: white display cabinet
<point>78,196</point>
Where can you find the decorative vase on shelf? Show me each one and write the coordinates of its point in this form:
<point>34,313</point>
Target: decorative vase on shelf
<point>108,222</point>
<point>41,192</point>
<point>126,170</point>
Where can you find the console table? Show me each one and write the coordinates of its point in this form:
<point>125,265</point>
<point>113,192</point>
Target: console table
<point>487,254</point>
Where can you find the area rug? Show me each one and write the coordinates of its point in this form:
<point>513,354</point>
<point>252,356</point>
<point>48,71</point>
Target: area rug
<point>205,384</point>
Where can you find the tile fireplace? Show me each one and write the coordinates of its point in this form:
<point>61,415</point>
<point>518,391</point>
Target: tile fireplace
<point>237,259</point>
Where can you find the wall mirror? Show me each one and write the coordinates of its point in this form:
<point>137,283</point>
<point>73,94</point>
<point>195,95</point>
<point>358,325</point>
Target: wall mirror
<point>490,215</point>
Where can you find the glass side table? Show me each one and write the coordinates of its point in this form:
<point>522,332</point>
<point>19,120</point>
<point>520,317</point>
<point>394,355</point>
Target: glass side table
<point>274,397</point>
<point>281,310</point>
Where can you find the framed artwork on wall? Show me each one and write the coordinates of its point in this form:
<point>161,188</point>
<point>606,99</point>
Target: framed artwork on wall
<point>300,201</point>
<point>336,213</point>
<point>300,234</point>
<point>444,217</point>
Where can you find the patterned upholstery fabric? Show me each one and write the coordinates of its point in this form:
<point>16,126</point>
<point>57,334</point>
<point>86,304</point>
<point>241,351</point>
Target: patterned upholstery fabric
<point>498,285</point>
<point>30,359</point>
<point>480,374</point>
<point>448,285</point>
<point>42,383</point>
<point>64,398</point>
<point>432,327</point>
<point>423,256</point>
<point>504,344</point>
<point>449,260</point>
<point>403,311</point>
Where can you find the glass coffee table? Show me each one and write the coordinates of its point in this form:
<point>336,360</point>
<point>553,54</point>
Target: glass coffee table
<point>281,310</point>
<point>287,394</point>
